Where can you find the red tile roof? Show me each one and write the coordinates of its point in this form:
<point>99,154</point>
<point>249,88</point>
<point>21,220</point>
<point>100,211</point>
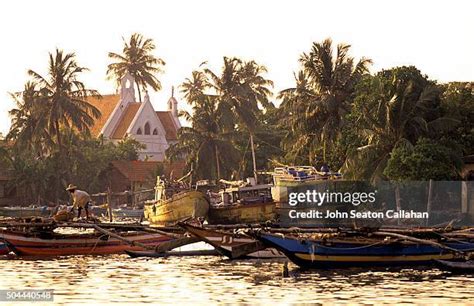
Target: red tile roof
<point>137,170</point>
<point>169,125</point>
<point>141,171</point>
<point>106,105</point>
<point>126,120</point>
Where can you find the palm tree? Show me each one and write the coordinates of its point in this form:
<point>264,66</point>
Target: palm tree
<point>63,98</point>
<point>28,126</point>
<point>242,89</point>
<point>392,109</point>
<point>323,94</point>
<point>208,150</point>
<point>138,60</point>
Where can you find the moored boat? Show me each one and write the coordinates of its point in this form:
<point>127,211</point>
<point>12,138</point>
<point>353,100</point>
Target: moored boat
<point>4,249</point>
<point>172,204</point>
<point>242,203</point>
<point>232,245</point>
<point>24,212</point>
<point>55,244</point>
<point>337,252</point>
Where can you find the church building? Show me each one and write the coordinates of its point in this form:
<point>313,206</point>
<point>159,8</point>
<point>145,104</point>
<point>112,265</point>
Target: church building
<point>122,117</point>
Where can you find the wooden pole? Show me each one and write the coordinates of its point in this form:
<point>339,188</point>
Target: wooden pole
<point>417,240</point>
<point>253,159</point>
<point>109,204</point>
<point>218,169</point>
<point>133,243</point>
<point>430,200</point>
<point>398,200</point>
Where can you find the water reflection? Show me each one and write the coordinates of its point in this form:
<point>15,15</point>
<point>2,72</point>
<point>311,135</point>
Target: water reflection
<point>204,280</point>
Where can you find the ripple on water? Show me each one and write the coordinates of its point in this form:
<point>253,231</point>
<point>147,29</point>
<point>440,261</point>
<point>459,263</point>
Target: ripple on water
<point>203,280</point>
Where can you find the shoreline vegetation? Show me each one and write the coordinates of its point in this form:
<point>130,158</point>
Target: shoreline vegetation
<point>395,124</point>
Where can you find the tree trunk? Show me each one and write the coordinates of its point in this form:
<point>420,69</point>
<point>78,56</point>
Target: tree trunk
<point>398,200</point>
<point>139,92</point>
<point>253,159</point>
<point>218,169</point>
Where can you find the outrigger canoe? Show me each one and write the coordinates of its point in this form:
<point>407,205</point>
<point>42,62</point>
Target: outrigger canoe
<point>4,250</point>
<point>351,251</point>
<point>55,244</point>
<point>232,245</point>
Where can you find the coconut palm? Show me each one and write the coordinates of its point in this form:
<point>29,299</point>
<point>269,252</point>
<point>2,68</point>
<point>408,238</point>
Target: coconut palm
<point>138,60</point>
<point>242,89</point>
<point>392,109</point>
<point>28,126</point>
<point>323,94</point>
<point>208,150</point>
<point>62,97</point>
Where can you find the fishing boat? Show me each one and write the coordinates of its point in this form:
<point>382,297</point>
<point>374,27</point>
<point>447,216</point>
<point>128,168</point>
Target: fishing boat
<point>175,203</point>
<point>93,243</point>
<point>297,176</point>
<point>4,250</point>
<point>24,212</point>
<point>333,252</point>
<point>242,203</point>
<point>232,245</point>
<point>464,267</point>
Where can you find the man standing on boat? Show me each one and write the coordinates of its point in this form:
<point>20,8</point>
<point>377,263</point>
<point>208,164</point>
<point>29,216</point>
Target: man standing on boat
<point>81,199</point>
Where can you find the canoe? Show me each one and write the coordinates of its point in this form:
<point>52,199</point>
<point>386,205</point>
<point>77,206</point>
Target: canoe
<point>249,213</point>
<point>135,254</point>
<point>457,266</point>
<point>4,250</point>
<point>24,212</point>
<point>180,206</point>
<point>54,244</point>
<point>346,252</point>
<point>232,245</point>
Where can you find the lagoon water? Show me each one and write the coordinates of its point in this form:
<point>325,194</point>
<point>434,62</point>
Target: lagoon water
<point>210,280</point>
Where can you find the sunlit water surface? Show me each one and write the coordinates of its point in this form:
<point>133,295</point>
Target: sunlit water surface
<point>210,280</point>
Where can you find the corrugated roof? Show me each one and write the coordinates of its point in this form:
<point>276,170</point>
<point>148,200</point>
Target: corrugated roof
<point>126,120</point>
<point>168,123</point>
<point>106,105</point>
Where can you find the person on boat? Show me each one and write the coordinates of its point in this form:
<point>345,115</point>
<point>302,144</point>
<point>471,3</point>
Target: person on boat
<point>325,169</point>
<point>81,199</point>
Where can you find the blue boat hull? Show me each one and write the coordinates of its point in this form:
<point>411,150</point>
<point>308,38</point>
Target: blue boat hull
<point>316,254</point>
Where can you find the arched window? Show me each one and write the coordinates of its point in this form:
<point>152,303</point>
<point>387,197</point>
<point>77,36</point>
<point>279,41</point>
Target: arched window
<point>147,128</point>
<point>139,131</point>
<point>155,132</point>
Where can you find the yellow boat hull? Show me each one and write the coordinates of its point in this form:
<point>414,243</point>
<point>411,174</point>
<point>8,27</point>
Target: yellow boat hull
<point>242,213</point>
<point>181,206</point>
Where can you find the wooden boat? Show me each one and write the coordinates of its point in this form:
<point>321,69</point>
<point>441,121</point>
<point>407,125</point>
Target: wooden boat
<point>55,244</point>
<point>4,250</point>
<point>135,254</point>
<point>232,245</point>
<point>242,203</point>
<point>118,212</point>
<point>457,266</point>
<point>173,204</point>
<point>297,176</point>
<point>352,251</point>
<point>24,212</point>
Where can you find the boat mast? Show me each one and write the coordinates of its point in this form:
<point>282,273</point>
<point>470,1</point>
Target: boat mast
<point>253,159</point>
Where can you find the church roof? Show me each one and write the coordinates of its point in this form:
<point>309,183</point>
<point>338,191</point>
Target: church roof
<point>126,120</point>
<point>105,105</point>
<point>168,123</point>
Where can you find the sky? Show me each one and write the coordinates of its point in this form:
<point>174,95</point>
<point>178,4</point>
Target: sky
<point>435,36</point>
